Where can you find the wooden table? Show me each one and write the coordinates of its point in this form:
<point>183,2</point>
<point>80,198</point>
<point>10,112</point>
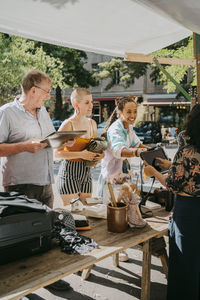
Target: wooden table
<point>24,276</point>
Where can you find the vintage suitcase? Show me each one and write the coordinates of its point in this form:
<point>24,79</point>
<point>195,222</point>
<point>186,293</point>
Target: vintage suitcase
<point>24,234</point>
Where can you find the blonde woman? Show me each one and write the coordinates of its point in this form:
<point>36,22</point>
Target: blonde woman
<point>74,177</point>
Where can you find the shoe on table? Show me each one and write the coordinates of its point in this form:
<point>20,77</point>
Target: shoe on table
<point>134,216</point>
<point>59,285</point>
<point>123,256</point>
<point>139,223</point>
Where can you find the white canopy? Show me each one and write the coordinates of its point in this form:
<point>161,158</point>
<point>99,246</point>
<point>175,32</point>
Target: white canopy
<point>111,27</point>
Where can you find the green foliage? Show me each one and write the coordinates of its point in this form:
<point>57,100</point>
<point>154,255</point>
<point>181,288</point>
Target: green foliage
<point>178,72</point>
<point>127,71</point>
<point>18,56</point>
<point>67,111</point>
<point>73,71</point>
<point>64,66</point>
<point>130,70</point>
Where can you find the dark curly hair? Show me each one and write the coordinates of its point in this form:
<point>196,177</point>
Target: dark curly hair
<point>120,103</point>
<point>192,127</point>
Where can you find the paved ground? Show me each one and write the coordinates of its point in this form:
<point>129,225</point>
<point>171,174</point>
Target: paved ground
<point>107,282</point>
<point>110,283</point>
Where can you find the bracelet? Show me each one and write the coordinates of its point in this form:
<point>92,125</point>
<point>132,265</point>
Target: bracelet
<point>136,152</point>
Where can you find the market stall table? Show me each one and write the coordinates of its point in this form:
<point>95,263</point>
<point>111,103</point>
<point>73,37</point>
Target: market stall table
<point>24,276</point>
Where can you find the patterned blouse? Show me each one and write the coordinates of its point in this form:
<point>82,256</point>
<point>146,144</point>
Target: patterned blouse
<point>184,174</point>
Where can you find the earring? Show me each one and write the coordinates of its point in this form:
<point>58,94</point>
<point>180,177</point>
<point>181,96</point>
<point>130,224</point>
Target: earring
<point>77,110</point>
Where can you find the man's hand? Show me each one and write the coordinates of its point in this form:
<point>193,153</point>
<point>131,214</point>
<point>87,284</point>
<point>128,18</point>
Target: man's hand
<point>33,145</point>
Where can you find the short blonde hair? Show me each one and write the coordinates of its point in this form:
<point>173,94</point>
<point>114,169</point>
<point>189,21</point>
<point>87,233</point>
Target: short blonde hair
<point>33,78</point>
<point>77,95</point>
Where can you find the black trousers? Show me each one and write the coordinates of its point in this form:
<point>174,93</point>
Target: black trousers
<point>184,250</point>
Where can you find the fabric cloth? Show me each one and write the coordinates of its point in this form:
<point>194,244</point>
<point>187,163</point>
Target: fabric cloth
<point>70,241</point>
<point>15,203</point>
<point>64,218</point>
<point>44,194</point>
<point>184,249</point>
<point>96,145</point>
<point>118,138</point>
<point>18,125</point>
<point>184,174</point>
<point>163,23</point>
<point>74,177</point>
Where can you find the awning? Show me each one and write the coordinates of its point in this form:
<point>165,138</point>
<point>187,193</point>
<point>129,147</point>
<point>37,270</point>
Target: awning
<point>112,27</point>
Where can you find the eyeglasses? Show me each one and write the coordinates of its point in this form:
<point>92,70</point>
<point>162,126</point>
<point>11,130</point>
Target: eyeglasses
<point>47,92</point>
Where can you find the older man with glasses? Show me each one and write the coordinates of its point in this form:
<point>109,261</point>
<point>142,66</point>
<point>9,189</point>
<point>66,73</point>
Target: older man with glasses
<point>27,164</point>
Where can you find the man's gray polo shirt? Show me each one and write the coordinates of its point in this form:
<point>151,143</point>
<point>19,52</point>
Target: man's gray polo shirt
<point>18,125</point>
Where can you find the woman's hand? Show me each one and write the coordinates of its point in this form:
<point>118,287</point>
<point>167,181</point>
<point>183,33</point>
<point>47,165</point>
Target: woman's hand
<point>163,163</point>
<point>138,151</point>
<point>100,156</point>
<point>149,170</point>
<point>69,143</point>
<point>152,172</point>
<point>87,155</point>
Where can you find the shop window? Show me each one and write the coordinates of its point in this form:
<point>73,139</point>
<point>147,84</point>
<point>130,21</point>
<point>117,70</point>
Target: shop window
<point>132,80</point>
<point>95,66</point>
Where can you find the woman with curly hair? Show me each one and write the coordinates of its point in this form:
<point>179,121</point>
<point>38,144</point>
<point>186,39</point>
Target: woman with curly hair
<point>124,143</point>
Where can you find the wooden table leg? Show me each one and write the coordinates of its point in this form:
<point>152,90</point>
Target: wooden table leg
<point>146,267</point>
<point>116,259</point>
<point>86,273</point>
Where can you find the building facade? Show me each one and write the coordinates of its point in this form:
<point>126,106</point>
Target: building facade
<point>157,105</point>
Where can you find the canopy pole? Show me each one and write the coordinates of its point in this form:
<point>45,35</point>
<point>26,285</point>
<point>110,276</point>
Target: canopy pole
<point>196,45</point>
<point>186,95</point>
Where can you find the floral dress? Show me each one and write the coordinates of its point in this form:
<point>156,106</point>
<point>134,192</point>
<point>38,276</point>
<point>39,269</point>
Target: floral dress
<point>184,174</point>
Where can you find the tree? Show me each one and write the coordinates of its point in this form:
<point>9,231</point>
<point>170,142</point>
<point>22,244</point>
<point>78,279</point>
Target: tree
<point>18,56</point>
<point>178,72</point>
<point>73,72</point>
<point>119,71</point>
<point>126,71</point>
